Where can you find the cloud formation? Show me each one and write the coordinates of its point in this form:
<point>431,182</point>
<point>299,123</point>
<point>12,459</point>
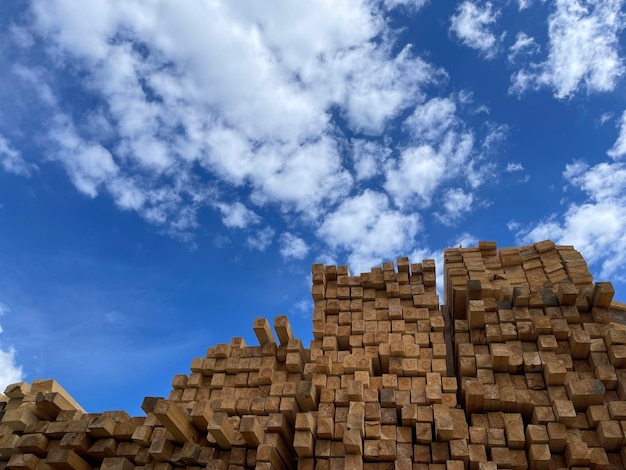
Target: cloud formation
<point>321,107</point>
<point>583,50</point>
<point>10,371</point>
<point>471,24</point>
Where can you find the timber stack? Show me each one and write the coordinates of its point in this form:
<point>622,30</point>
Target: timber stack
<point>520,368</point>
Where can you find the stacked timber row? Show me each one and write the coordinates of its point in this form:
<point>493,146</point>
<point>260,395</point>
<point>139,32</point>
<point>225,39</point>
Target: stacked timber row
<point>541,370</point>
<point>519,369</point>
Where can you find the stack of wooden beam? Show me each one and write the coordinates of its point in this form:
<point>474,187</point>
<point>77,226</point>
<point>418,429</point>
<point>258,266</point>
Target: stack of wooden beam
<point>519,369</point>
<point>531,267</point>
<point>541,371</point>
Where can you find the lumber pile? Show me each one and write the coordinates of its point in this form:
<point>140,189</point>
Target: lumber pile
<point>519,369</point>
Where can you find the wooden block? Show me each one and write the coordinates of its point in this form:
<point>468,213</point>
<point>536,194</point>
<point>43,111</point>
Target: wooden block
<point>459,451</point>
<point>501,456</point>
<point>542,415</point>
<point>603,293</point>
<point>440,452</point>
<point>536,434</point>
<point>566,293</point>
<point>269,454</point>
<point>554,372</point>
<point>585,392</point>
<point>353,442</point>
<point>283,329</point>
<point>576,454</point>
<point>617,356</point>
<point>423,433</point>
<point>221,430</point>
<point>17,390</point>
<point>22,462</point>
<point>49,385</point>
<point>477,454</point>
<point>514,427</point>
<point>610,435</point>
<point>580,344</point>
<point>263,331</point>
<point>117,463</point>
<point>564,412</point>
<point>161,449</point>
<point>251,430</point>
<point>142,435</point>
<point>557,433</point>
<point>177,423</point>
<point>17,419</point>
<point>102,448</point>
<point>307,396</point>
<point>539,456</point>
<point>617,410</point>
<point>66,459</point>
<point>33,444</point>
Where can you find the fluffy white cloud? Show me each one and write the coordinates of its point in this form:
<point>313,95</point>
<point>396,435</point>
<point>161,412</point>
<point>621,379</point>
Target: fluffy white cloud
<point>89,165</point>
<point>171,100</point>
<point>422,169</point>
<point>430,121</point>
<point>471,24</point>
<point>596,226</point>
<point>411,4</point>
<point>583,50</point>
<point>369,230</point>
<point>11,159</point>
<point>368,158</point>
<point>456,202</point>
<point>619,148</point>
<point>292,246</point>
<point>237,215</point>
<point>10,371</point>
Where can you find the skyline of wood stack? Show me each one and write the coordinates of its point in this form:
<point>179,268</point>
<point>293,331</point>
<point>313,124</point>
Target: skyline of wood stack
<point>522,366</point>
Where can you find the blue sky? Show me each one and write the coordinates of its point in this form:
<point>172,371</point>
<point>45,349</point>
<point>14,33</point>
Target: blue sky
<point>169,171</point>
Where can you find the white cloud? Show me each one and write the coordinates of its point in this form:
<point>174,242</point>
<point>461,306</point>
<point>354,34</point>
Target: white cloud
<point>512,167</point>
<point>262,239</point>
<point>595,226</point>
<point>368,158</point>
<point>413,5</point>
<point>431,120</point>
<point>292,246</point>
<point>605,117</point>
<point>10,371</point>
<point>237,215</point>
<point>523,4</point>
<point>583,50</point>
<point>422,169</point>
<point>456,202</point>
<point>524,45</point>
<point>619,148</point>
<point>175,101</point>
<point>88,165</point>
<point>11,159</point>
<point>471,24</point>
<point>368,229</point>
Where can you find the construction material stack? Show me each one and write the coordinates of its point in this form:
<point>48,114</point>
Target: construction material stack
<point>519,369</point>
<point>540,367</point>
